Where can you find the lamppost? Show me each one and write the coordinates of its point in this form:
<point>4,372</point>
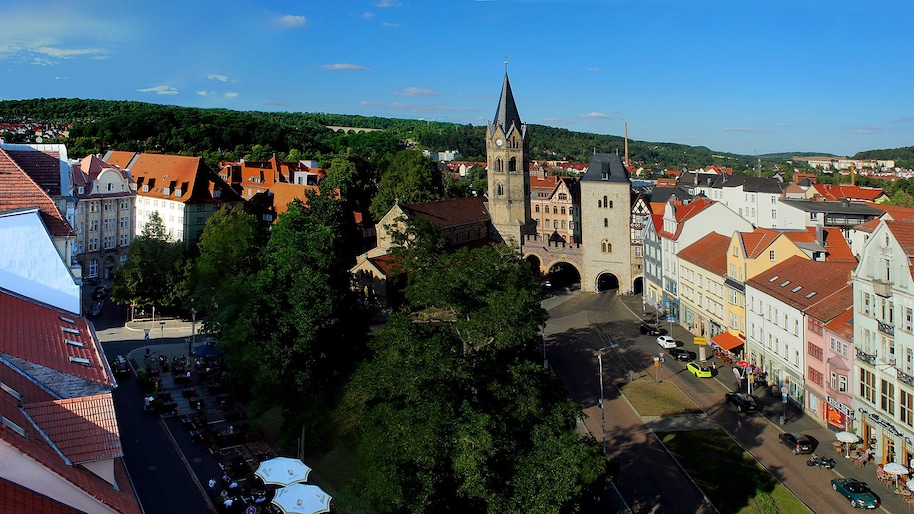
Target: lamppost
<point>162,338</point>
<point>602,409</point>
<point>543,337</point>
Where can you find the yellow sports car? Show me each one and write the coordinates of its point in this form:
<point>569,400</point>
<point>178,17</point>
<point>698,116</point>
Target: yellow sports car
<point>698,370</point>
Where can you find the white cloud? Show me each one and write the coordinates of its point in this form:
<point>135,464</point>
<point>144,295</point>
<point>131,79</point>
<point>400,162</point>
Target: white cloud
<point>345,67</point>
<point>388,3</point>
<point>160,90</point>
<point>213,76</point>
<point>231,94</point>
<point>202,93</point>
<point>66,53</point>
<point>292,21</point>
<point>414,91</point>
<point>367,15</point>
<point>597,116</point>
<point>43,62</point>
<point>388,24</point>
<point>866,130</point>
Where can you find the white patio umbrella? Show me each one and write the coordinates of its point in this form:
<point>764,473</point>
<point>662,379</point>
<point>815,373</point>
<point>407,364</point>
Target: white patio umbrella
<point>895,469</point>
<point>846,438</point>
<point>302,499</point>
<point>282,471</point>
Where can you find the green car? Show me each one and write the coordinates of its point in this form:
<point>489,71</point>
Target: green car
<point>857,492</point>
<point>698,370</point>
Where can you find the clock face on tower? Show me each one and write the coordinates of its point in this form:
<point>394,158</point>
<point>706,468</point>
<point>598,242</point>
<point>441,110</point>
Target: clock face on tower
<point>499,142</point>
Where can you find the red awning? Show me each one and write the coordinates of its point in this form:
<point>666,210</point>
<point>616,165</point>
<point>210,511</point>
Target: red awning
<point>727,341</point>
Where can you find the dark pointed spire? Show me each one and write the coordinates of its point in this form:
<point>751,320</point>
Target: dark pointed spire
<point>507,115</point>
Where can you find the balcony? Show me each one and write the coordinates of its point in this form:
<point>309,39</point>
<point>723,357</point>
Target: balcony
<point>866,357</point>
<point>904,377</point>
<point>881,288</point>
<point>885,328</point>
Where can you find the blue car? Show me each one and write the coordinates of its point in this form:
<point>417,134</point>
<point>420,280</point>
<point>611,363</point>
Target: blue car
<point>857,492</point>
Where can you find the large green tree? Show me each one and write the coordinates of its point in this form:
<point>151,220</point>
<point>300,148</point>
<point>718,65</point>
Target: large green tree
<point>300,331</point>
<point>229,251</point>
<point>409,177</point>
<point>155,270</point>
<point>454,412</point>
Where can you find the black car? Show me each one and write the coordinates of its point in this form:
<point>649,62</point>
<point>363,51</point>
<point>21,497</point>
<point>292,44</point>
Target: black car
<point>96,308</point>
<point>120,367</point>
<point>99,293</point>
<point>650,329</point>
<point>680,355</point>
<point>798,443</point>
<point>742,401</point>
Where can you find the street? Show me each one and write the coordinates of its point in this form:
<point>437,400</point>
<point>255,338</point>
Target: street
<point>649,479</point>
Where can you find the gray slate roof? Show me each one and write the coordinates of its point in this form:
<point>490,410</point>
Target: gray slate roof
<point>506,115</point>
<point>606,167</point>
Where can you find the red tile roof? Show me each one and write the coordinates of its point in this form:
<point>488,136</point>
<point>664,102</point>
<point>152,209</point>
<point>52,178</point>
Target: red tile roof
<point>38,334</point>
<point>755,242</point>
<point>386,263</point>
<point>841,192</point>
<point>84,429</point>
<point>15,498</point>
<point>451,213</point>
<point>833,305</point>
<point>709,252</point>
<point>802,283</point>
<point>42,167</point>
<point>685,211</point>
<point>165,175</point>
<point>284,193</point>
<point>843,325</point>
<point>18,190</point>
<point>120,158</point>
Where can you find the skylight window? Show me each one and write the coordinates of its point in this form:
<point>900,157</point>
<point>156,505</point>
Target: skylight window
<point>74,343</point>
<point>794,290</point>
<point>810,295</point>
<point>68,320</point>
<point>772,279</point>
<point>12,392</point>
<point>79,360</point>
<point>785,283</point>
<point>70,330</point>
<point>12,426</point>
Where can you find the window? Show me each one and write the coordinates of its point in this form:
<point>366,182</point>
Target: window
<point>814,375</point>
<point>605,222</point>
<point>771,255</point>
<point>607,246</point>
<point>499,166</point>
<point>610,204</point>
<point>814,351</point>
<point>605,202</point>
<point>563,209</point>
<point>555,210</point>
<point>93,267</point>
<point>888,397</point>
<point>867,385</point>
<point>906,408</point>
<point>842,383</point>
<point>774,214</point>
<point>124,240</point>
<point>93,226</point>
<point>512,164</point>
<point>536,208</point>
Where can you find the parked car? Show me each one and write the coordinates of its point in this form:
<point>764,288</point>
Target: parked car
<point>96,308</point>
<point>680,355</point>
<point>699,370</point>
<point>650,329</point>
<point>798,443</point>
<point>857,492</point>
<point>742,401</point>
<point>99,293</point>
<point>666,342</point>
<point>120,367</point>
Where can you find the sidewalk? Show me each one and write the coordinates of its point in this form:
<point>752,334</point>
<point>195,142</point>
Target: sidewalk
<point>772,408</point>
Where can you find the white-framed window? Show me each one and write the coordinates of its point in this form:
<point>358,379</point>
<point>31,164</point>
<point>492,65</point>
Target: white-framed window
<point>93,268</point>
<point>124,239</point>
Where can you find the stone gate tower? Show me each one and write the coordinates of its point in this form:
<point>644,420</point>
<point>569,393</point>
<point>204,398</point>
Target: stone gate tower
<point>508,161</point>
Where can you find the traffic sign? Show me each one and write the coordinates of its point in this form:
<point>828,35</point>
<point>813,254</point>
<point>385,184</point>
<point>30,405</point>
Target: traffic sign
<point>146,336</point>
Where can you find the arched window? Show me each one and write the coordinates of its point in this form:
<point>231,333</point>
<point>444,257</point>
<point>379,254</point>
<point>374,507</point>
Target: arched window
<point>547,223</point>
<point>605,222</point>
<point>610,204</point>
<point>512,164</point>
<point>498,164</point>
<point>555,210</point>
<point>599,204</point>
<point>605,203</point>
<point>563,223</point>
<point>536,208</point>
<point>555,224</point>
<point>604,246</point>
<point>500,190</point>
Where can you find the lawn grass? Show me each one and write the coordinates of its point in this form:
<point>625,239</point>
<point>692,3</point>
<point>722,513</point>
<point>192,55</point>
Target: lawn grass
<point>730,477</point>
<point>658,399</point>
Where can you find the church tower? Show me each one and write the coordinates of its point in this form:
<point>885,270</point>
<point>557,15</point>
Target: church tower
<point>509,179</point>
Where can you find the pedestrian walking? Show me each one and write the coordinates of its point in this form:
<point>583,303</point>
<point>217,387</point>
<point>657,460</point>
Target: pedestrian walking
<point>212,486</point>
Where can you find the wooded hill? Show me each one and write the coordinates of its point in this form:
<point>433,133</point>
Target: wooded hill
<point>100,125</point>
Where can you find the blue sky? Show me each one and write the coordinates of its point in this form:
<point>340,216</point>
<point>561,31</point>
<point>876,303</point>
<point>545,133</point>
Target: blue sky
<point>742,76</point>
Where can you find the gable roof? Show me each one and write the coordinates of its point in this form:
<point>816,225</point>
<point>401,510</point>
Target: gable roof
<point>847,191</point>
<point>709,253</point>
<point>163,176</point>
<point>119,158</point>
<point>284,193</point>
<point>451,213</point>
<point>42,166</point>
<point>683,211</point>
<point>18,190</point>
<point>802,283</point>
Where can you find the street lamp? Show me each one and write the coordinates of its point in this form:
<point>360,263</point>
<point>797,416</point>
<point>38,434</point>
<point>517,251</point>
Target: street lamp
<point>602,409</point>
<point>543,337</point>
